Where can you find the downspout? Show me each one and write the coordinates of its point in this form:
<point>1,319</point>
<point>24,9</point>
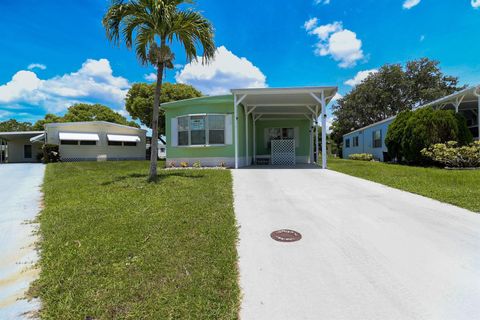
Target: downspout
<point>477,93</point>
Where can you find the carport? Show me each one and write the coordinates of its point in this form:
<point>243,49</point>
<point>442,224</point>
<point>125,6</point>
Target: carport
<point>18,147</point>
<point>282,105</point>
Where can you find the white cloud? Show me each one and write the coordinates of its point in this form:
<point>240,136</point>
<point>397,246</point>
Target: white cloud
<point>336,97</point>
<point>322,1</point>
<point>475,4</point>
<point>335,41</point>
<point>150,77</point>
<point>37,66</point>
<point>422,37</point>
<point>94,82</point>
<point>359,77</point>
<point>227,71</point>
<point>310,24</point>
<point>408,4</point>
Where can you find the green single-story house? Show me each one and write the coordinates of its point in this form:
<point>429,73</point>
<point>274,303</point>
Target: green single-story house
<point>250,126</point>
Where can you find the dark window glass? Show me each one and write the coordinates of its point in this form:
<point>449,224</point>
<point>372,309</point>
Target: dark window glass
<point>355,141</point>
<point>88,143</point>
<point>114,143</point>
<point>197,130</point>
<point>27,151</point>
<point>347,143</point>
<point>183,138</point>
<point>216,137</point>
<point>183,131</point>
<point>69,142</point>
<point>130,144</point>
<point>377,139</point>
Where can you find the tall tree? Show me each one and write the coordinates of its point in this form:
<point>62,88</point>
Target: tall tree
<point>389,91</point>
<point>14,125</point>
<point>85,112</point>
<point>95,112</point>
<point>140,97</point>
<point>151,26</point>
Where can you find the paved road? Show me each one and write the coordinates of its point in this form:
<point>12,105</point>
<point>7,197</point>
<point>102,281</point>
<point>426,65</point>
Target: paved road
<point>368,251</point>
<point>20,198</point>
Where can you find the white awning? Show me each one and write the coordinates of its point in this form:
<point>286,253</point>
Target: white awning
<point>122,138</point>
<point>78,136</point>
<point>38,138</point>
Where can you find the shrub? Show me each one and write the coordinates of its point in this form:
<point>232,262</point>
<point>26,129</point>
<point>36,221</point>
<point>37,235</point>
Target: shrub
<point>197,164</point>
<point>50,153</point>
<point>183,164</point>
<point>411,132</point>
<point>395,134</point>
<point>223,164</point>
<point>361,156</point>
<point>172,164</point>
<point>451,155</point>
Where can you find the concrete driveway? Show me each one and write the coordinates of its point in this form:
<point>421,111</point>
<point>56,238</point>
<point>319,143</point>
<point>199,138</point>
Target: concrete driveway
<point>368,251</point>
<point>20,199</point>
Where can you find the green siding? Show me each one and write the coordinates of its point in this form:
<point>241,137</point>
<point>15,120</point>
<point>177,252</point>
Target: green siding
<point>221,104</point>
<point>303,130</point>
<point>224,104</point>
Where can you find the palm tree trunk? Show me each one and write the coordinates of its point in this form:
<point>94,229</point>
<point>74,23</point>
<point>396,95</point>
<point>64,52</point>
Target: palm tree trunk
<point>154,144</point>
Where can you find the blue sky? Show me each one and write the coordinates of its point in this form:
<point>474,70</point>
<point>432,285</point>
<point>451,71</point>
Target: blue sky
<point>275,43</point>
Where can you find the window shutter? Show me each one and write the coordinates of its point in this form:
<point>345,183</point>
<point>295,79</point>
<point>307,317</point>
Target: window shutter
<point>296,135</point>
<point>228,129</point>
<point>174,132</point>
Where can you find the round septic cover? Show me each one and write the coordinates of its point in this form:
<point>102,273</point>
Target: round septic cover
<point>286,235</point>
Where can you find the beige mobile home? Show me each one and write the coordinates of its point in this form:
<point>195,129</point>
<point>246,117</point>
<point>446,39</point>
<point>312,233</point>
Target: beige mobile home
<point>77,141</point>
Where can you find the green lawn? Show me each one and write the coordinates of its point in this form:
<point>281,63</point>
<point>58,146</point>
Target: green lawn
<point>116,247</point>
<point>458,187</point>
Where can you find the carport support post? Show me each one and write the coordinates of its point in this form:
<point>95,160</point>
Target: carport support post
<point>246,135</point>
<point>236,102</point>
<point>324,132</point>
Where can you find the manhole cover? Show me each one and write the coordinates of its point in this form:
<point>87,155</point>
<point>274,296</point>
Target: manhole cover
<point>285,235</point>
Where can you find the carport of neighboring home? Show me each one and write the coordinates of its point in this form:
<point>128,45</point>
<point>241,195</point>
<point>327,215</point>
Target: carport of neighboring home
<point>267,125</point>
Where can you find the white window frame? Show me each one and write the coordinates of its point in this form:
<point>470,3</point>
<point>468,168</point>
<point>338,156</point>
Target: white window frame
<point>207,131</point>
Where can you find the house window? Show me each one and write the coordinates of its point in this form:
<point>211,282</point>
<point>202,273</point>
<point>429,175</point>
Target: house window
<point>355,141</point>
<point>27,151</point>
<point>129,144</point>
<point>183,131</point>
<point>114,143</point>
<point>347,143</point>
<point>377,139</point>
<point>199,130</point>
<point>88,143</point>
<point>216,129</point>
<point>69,142</point>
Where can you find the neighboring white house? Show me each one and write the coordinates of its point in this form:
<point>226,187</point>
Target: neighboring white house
<point>162,148</point>
<point>78,141</point>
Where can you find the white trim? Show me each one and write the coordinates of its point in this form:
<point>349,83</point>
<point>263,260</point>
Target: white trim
<point>324,131</point>
<point>78,136</point>
<point>123,138</point>
<point>66,124</point>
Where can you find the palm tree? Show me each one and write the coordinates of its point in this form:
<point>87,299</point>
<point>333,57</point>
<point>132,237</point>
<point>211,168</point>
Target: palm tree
<point>151,26</point>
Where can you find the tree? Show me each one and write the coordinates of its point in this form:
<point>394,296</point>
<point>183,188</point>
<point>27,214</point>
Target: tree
<point>85,112</point>
<point>389,91</point>
<point>140,97</point>
<point>412,131</point>
<point>151,26</point>
<point>49,118</point>
<point>14,125</point>
<point>95,112</point>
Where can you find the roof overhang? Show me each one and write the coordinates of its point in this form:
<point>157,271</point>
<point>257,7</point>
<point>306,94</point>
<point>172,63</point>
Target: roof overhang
<point>469,94</point>
<point>39,138</point>
<point>285,102</point>
<point>19,134</point>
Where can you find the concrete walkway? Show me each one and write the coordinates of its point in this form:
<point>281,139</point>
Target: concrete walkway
<point>368,251</point>
<point>20,199</point>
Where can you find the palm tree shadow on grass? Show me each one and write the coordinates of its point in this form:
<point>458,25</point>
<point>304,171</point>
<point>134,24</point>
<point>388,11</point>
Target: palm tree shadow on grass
<point>159,177</point>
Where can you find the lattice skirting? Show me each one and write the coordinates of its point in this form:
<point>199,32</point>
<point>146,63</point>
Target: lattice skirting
<point>283,152</point>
